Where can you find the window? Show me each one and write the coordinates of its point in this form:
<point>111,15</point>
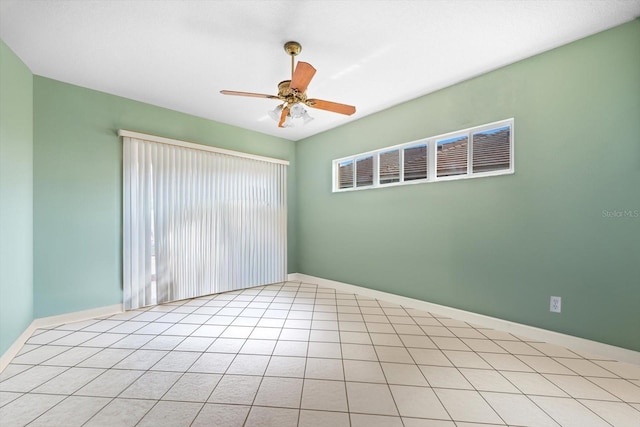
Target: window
<point>485,150</point>
<point>453,156</point>
<point>389,167</point>
<point>345,174</point>
<point>364,171</point>
<point>491,150</point>
<point>415,162</point>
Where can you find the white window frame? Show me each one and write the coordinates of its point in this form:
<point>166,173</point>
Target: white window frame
<point>432,143</point>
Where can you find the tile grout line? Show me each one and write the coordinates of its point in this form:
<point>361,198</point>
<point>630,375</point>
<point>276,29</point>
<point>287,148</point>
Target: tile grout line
<point>168,351</point>
<point>306,358</point>
<point>267,365</point>
<point>499,373</point>
<point>146,371</point>
<point>262,288</point>
<point>186,370</point>
<point>380,362</point>
<point>344,375</point>
<point>526,395</point>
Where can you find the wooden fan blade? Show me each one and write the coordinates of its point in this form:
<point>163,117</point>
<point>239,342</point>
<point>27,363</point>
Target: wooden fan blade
<point>302,76</point>
<point>254,95</point>
<point>331,106</point>
<point>283,116</point>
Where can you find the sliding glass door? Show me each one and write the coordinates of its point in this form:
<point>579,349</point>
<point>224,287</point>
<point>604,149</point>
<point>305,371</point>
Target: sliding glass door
<point>198,222</point>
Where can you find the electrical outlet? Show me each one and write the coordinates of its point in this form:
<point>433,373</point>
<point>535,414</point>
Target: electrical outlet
<point>555,305</point>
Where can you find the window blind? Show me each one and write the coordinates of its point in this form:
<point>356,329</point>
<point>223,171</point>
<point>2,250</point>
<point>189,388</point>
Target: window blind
<point>199,221</point>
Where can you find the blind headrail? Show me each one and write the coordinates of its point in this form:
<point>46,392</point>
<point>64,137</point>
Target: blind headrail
<point>195,146</point>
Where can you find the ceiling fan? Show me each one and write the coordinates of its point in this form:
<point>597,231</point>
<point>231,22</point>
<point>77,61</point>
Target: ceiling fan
<point>293,93</point>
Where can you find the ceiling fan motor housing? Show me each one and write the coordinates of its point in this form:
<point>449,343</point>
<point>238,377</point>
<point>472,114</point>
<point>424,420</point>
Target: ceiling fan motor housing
<point>289,95</point>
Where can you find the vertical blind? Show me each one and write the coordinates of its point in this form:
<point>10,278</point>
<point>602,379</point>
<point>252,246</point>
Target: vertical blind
<point>198,222</point>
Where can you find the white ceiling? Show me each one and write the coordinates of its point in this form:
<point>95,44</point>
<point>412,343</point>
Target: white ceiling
<point>179,54</point>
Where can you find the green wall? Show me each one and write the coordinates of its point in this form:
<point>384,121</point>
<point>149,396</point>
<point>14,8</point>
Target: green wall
<point>78,187</point>
<point>501,246</point>
<point>16,197</point>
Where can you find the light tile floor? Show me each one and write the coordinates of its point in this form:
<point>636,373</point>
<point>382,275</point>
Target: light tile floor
<point>296,354</point>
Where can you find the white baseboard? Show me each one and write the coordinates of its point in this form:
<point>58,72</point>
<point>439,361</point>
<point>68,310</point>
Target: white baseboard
<point>47,322</point>
<point>580,345</point>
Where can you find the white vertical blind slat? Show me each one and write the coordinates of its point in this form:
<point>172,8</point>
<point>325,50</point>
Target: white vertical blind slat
<point>126,220</point>
<point>199,222</point>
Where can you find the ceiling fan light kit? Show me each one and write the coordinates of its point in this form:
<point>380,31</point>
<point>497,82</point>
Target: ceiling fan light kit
<point>293,93</point>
